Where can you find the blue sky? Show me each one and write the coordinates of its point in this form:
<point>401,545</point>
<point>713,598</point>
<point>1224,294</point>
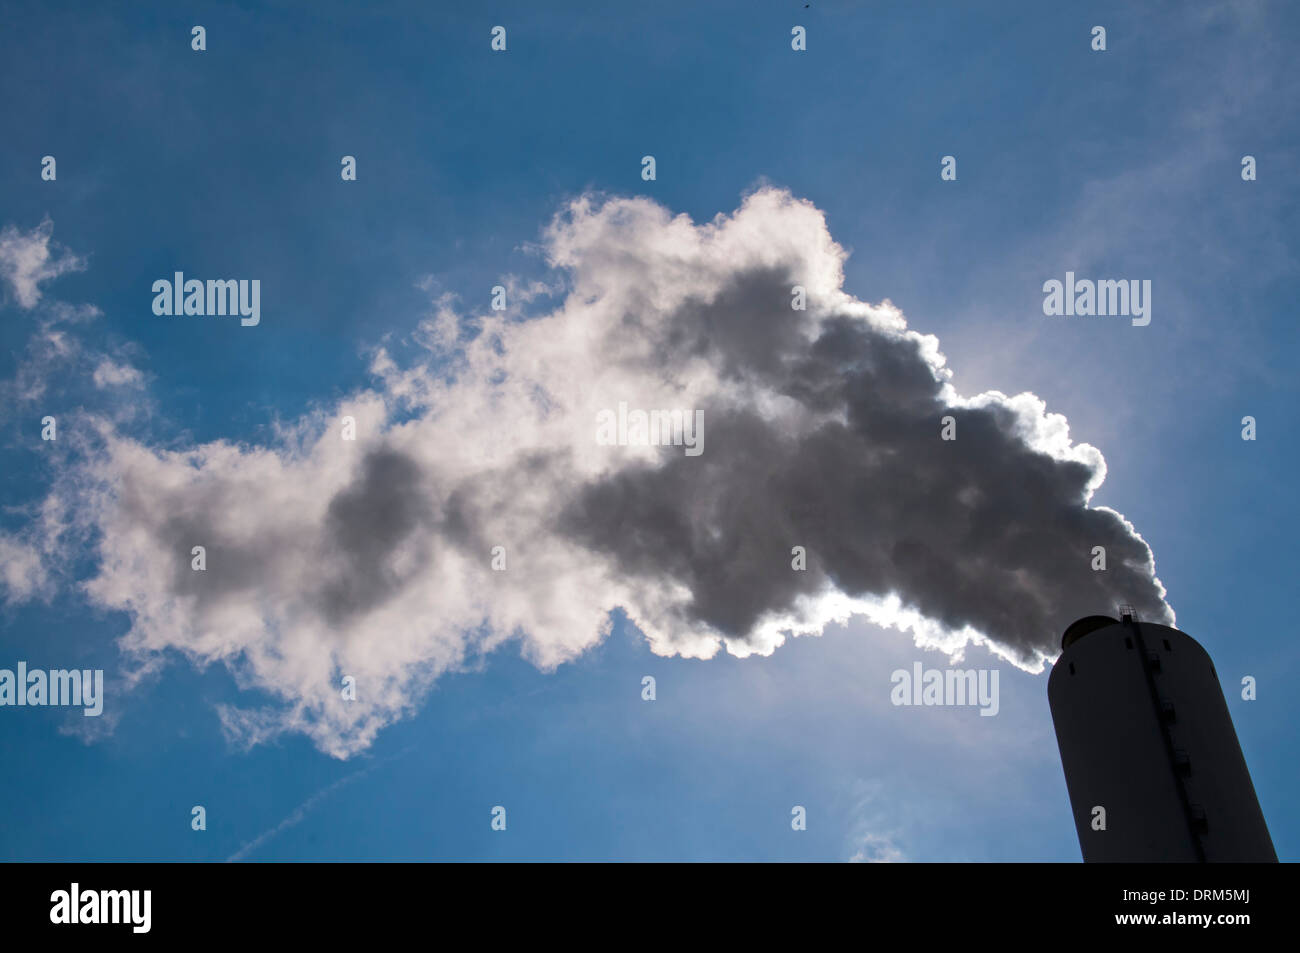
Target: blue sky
<point>226,162</point>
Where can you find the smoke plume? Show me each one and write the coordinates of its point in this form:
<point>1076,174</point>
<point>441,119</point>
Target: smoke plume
<point>822,429</point>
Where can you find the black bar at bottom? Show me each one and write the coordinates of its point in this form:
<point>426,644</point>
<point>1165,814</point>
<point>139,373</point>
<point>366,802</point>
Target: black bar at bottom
<point>333,902</point>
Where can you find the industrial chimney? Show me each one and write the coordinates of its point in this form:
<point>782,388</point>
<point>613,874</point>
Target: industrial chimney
<point>1152,762</point>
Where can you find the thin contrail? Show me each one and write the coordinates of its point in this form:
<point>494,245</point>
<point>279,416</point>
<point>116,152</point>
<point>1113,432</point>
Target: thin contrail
<point>301,810</point>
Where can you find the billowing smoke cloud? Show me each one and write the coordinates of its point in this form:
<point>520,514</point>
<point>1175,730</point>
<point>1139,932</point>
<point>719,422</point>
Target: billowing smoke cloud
<point>821,429</point>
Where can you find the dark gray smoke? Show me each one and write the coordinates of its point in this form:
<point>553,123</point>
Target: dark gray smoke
<point>980,531</point>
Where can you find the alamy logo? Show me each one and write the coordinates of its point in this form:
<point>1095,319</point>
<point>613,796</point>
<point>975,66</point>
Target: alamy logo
<point>213,297</point>
<point>1105,297</point>
<point>655,428</point>
<point>56,687</point>
<point>946,687</point>
<point>133,907</point>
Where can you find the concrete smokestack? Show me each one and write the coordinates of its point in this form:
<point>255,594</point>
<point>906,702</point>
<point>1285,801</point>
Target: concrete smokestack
<point>1152,762</point>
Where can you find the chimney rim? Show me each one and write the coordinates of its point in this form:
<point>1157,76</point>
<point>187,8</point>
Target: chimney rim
<point>1081,627</point>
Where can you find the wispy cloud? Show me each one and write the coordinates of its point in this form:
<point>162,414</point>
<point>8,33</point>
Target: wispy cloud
<point>872,840</point>
<point>29,258</point>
